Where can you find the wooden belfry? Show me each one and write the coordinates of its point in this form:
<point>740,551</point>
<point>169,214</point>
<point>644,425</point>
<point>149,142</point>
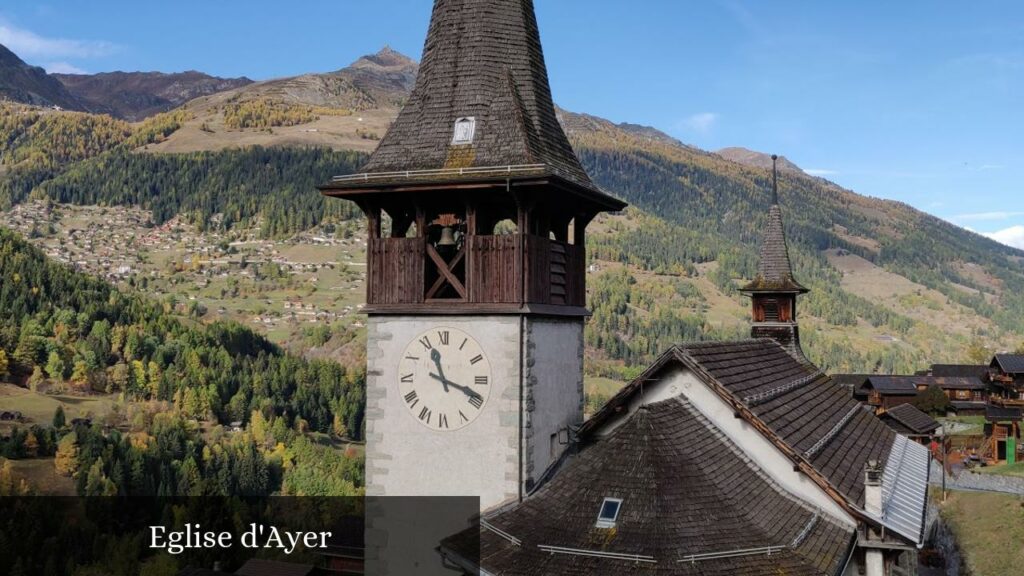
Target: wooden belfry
<point>774,291</point>
<point>486,200</point>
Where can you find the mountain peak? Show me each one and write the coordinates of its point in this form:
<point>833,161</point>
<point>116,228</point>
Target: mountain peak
<point>21,82</point>
<point>386,58</point>
<point>756,159</point>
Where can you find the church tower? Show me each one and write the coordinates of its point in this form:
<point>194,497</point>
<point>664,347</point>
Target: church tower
<point>477,207</point>
<point>773,292</point>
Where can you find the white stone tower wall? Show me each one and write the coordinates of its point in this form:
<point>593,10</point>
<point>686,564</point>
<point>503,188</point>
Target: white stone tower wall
<point>537,389</point>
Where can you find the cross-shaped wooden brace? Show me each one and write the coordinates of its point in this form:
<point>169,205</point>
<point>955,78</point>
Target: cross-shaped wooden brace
<point>445,269</point>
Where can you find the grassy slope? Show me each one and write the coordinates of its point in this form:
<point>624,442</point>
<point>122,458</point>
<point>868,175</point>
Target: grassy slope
<point>989,529</point>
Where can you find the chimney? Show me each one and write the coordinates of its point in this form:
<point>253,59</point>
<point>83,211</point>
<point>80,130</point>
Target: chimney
<point>873,488</point>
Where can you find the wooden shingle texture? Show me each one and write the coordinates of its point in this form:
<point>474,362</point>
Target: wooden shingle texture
<point>685,490</point>
<point>801,407</point>
<point>482,59</point>
<point>774,270</point>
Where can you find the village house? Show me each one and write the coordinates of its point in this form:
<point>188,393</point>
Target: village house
<point>968,395</point>
<point>907,420</point>
<point>1006,373</point>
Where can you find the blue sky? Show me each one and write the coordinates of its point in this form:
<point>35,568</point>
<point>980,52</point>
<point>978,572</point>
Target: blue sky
<point>918,101</point>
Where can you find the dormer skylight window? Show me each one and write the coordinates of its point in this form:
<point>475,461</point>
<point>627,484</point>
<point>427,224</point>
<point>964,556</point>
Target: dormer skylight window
<point>465,129</point>
<point>609,512</point>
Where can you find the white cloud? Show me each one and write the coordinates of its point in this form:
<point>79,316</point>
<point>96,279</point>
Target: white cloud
<point>28,44</point>
<point>986,216</point>
<point>702,122</point>
<point>63,68</point>
<point>1012,236</point>
<point>820,172</point>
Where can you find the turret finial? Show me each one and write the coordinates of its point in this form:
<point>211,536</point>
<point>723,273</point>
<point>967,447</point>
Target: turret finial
<point>775,180</point>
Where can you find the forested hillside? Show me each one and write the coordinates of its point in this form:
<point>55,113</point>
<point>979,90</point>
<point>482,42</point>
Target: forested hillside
<point>893,289</point>
<point>62,330</point>
<point>37,144</point>
<point>721,207</point>
<point>272,187</point>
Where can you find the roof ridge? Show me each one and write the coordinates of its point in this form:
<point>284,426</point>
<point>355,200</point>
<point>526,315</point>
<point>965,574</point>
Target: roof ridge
<point>700,417</point>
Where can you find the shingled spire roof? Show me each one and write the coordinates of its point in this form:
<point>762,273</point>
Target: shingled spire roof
<point>774,271</point>
<point>483,65</point>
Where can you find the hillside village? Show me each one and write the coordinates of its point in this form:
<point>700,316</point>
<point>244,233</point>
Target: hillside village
<point>283,287</point>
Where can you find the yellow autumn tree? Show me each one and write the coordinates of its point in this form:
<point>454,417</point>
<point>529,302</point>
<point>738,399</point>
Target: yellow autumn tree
<point>66,461</point>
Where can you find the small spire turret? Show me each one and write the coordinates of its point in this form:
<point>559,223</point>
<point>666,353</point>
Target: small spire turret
<point>774,290</point>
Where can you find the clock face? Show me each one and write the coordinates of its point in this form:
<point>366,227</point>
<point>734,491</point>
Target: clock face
<point>444,379</point>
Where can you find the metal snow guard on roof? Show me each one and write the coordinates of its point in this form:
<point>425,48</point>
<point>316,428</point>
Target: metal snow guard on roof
<point>468,171</point>
<point>905,488</point>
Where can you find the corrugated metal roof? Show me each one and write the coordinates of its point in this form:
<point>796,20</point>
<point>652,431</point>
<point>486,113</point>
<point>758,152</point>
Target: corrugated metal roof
<point>905,489</point>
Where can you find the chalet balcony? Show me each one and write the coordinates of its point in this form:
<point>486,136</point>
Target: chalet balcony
<point>1007,402</point>
<point>513,271</point>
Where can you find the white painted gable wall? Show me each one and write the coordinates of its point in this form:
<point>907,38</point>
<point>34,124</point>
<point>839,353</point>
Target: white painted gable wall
<point>679,380</point>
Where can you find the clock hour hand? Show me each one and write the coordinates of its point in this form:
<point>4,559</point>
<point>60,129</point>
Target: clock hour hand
<point>435,355</point>
<point>465,390</point>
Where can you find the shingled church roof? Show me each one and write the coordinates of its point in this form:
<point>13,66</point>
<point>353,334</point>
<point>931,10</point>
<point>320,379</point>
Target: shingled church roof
<point>483,64</point>
<point>774,271</point>
<point>822,429</point>
<point>691,503</point>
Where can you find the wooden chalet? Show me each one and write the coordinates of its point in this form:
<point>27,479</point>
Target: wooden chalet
<point>908,420</point>
<point>1003,435</point>
<point>978,371</point>
<point>968,395</point>
<point>884,392</point>
<point>488,217</point>
<point>1006,374</point>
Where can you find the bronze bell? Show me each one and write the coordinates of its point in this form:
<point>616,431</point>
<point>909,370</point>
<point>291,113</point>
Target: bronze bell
<point>447,237</point>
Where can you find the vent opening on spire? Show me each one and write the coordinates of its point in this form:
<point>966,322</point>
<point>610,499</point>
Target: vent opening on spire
<point>465,129</point>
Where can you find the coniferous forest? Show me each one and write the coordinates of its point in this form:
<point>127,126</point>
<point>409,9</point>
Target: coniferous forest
<point>187,383</point>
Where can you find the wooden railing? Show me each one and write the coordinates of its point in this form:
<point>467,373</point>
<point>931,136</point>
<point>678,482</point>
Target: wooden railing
<point>507,269</point>
<point>495,274</point>
<point>395,270</point>
<point>1007,402</point>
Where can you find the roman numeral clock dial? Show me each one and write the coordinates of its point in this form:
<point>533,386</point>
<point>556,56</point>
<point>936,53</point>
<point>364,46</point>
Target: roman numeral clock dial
<point>444,379</point>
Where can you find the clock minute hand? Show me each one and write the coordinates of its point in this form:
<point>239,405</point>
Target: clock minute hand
<point>465,390</point>
<point>435,355</point>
